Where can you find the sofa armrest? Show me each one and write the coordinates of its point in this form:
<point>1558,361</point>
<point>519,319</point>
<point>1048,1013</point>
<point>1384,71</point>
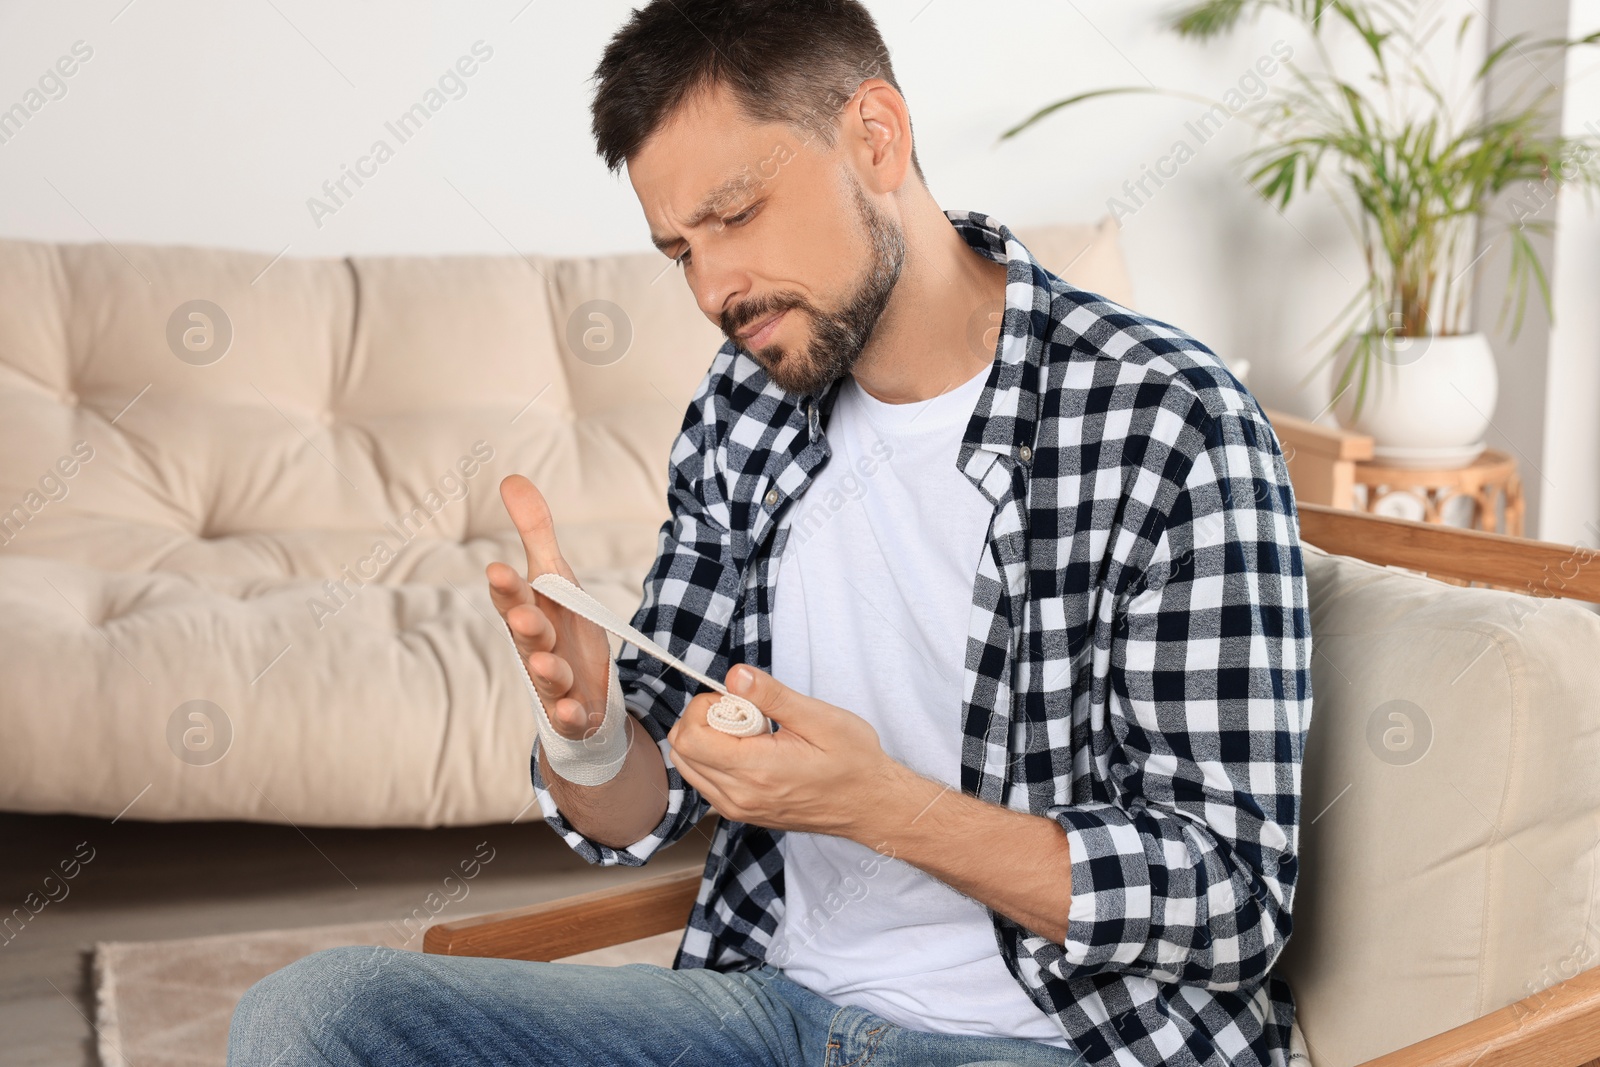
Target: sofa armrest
<point>1558,1027</point>
<point>1520,564</point>
<point>572,925</point>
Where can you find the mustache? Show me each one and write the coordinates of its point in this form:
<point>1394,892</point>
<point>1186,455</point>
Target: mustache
<point>733,322</point>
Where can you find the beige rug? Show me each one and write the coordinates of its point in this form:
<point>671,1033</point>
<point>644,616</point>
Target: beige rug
<point>168,1003</point>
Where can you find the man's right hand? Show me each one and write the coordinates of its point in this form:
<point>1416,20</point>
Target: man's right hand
<point>567,656</point>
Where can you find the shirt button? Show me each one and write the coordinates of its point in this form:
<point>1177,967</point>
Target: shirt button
<point>772,497</point>
<point>1024,453</point>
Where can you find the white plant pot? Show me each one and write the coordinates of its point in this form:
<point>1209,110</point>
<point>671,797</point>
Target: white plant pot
<point>1429,399</point>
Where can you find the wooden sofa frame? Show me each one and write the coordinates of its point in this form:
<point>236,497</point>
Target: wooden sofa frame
<point>1558,1027</point>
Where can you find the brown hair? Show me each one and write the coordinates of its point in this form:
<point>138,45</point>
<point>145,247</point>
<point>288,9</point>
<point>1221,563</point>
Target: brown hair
<point>792,61</point>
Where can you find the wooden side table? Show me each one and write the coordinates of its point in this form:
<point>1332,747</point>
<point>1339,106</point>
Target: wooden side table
<point>1488,481</point>
<point>1321,459</point>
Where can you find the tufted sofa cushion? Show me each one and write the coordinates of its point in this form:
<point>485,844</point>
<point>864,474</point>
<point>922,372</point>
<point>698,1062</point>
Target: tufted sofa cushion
<point>242,544</point>
<point>1451,816</point>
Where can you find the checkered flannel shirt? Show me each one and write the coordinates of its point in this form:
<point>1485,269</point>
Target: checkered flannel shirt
<point>1137,668</point>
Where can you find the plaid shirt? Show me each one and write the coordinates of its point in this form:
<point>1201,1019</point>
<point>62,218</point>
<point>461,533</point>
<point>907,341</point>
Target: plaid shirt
<point>1137,669</point>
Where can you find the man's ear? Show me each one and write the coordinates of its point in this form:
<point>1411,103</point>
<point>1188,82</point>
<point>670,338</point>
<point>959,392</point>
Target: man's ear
<point>877,127</point>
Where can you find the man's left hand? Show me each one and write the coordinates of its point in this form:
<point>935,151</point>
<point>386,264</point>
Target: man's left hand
<point>821,773</point>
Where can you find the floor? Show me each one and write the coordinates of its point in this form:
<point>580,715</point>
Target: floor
<point>147,881</point>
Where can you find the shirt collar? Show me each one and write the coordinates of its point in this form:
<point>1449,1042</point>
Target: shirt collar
<point>1005,421</point>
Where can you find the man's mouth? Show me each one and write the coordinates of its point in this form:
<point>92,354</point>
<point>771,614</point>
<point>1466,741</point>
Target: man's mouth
<point>756,333</point>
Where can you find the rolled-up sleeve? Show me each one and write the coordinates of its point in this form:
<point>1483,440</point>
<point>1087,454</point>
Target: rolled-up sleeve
<point>1187,872</point>
<point>689,596</point>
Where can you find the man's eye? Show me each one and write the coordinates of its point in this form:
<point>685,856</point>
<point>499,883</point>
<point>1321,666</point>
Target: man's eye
<point>737,220</point>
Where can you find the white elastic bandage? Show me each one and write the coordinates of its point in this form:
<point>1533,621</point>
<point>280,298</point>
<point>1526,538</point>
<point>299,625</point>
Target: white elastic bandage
<point>597,759</point>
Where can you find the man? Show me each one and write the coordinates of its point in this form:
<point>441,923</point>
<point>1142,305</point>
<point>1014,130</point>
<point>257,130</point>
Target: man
<point>1014,570</point>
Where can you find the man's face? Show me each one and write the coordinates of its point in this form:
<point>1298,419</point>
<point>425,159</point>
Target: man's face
<point>793,232</point>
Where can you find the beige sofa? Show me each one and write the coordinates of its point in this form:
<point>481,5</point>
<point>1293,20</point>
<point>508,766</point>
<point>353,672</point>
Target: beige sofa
<point>242,542</point>
<point>241,560</point>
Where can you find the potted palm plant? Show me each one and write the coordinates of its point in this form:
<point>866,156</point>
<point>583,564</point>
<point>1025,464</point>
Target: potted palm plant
<point>1415,167</point>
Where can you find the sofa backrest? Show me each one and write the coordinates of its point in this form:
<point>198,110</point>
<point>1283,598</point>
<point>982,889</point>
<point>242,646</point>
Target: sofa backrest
<point>227,412</point>
<point>270,485</point>
<point>1451,805</point>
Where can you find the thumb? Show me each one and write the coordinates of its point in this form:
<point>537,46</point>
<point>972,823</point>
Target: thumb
<point>530,513</point>
<point>776,700</point>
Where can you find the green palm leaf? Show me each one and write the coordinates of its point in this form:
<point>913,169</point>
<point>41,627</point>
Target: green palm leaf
<point>1419,175</point>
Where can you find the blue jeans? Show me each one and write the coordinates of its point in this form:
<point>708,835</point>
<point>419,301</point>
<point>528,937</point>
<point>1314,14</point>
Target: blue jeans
<point>379,1005</point>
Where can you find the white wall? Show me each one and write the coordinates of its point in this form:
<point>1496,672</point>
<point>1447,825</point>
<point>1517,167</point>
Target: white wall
<point>213,123</point>
<point>1570,510</point>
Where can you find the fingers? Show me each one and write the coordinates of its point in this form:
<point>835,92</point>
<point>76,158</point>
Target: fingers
<point>712,789</point>
<point>554,671</point>
<point>572,720</point>
<point>694,711</point>
<point>761,689</point>
<point>552,678</point>
<point>565,710</point>
<point>507,588</point>
<point>533,630</point>
<point>555,645</point>
<point>518,605</point>
<point>531,515</point>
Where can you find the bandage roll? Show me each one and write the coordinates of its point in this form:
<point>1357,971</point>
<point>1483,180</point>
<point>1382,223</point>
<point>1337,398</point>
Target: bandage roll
<point>600,756</point>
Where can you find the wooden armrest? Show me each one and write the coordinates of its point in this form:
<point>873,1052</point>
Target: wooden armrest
<point>1558,1027</point>
<point>1536,568</point>
<point>572,925</point>
<point>1303,435</point>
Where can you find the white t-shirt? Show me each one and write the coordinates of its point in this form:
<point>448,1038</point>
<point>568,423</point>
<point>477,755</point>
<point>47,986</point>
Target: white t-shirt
<point>872,601</point>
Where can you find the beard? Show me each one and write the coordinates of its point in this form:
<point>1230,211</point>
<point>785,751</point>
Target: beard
<point>838,337</point>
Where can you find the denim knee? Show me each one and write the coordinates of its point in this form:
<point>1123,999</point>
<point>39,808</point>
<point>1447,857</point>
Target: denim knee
<point>287,1016</point>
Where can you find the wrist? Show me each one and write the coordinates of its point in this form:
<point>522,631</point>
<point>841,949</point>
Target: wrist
<point>893,800</point>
